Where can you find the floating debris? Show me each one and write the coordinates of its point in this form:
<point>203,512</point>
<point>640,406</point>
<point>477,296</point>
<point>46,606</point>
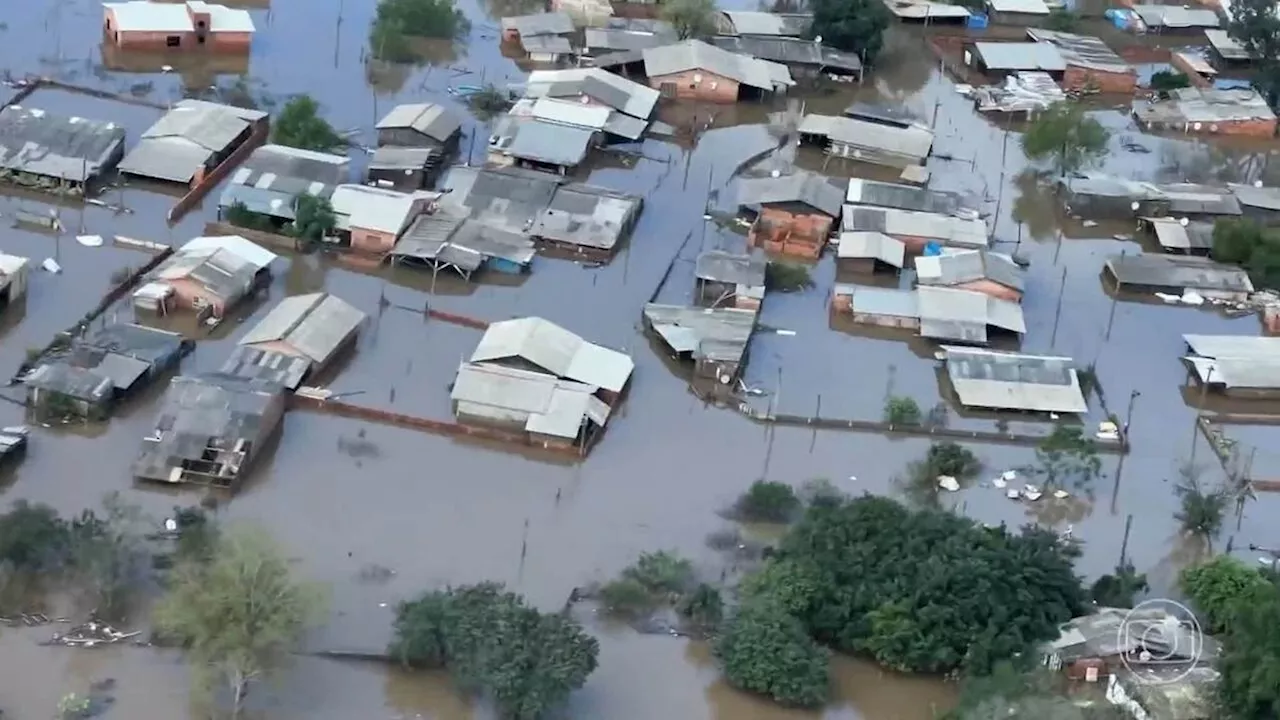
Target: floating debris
<point>91,634</point>
<point>999,482</point>
<point>948,483</point>
<point>1061,494</point>
<point>1031,492</point>
<point>1013,494</point>
<point>89,240</point>
<point>51,265</point>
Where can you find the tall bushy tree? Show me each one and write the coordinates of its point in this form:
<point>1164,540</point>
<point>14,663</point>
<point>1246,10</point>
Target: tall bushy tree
<point>1066,137</point>
<point>855,26</point>
<point>493,644</point>
<point>313,217</point>
<point>766,650</point>
<point>1255,26</point>
<point>691,18</point>
<point>299,125</point>
<point>239,613</point>
<point>396,20</point>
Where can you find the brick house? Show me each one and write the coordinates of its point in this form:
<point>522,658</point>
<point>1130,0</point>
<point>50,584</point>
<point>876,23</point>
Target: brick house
<point>1090,63</point>
<point>1210,111</point>
<point>794,213</point>
<point>695,70</point>
<point>991,274</point>
<point>372,219</point>
<point>208,276</point>
<point>140,25</point>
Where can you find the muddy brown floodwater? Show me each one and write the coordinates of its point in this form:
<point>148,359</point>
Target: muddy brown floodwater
<point>340,494</point>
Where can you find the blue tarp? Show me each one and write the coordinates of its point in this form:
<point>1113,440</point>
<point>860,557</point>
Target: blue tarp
<point>977,22</point>
<point>932,248</point>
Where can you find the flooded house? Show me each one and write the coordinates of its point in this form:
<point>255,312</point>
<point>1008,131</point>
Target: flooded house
<point>586,221</point>
<point>715,339</point>
<point>867,252</point>
<point>1179,235</point>
<point>508,199</point>
<point>549,412</point>
<point>85,378</point>
<point>1021,92</point>
<point>1119,640</point>
<point>794,214</point>
<point>877,306</point>
<point>1178,274</point>
<point>13,280</point>
<point>606,124</point>
<point>926,11</point>
<point>603,40</point>
<point>270,366</point>
<point>529,142</point>
<point>869,142</point>
<point>143,25</point>
<point>317,327</point>
<point>901,197</point>
<point>1098,196</point>
<point>1175,19</point>
<point>1017,12</point>
<point>404,169</point>
<point>207,276</point>
<point>448,239</point>
<point>420,125</point>
<point>997,60</point>
<point>1258,202</point>
<point>631,103</point>
<point>54,152</point>
<point>1229,51</point>
<point>190,140</point>
<point>1091,64</point>
<point>763,24</point>
<point>1235,365</point>
<point>695,70</point>
<point>980,271</point>
<point>270,180</point>
<point>13,444</point>
<point>727,279</point>
<point>916,229</point>
<point>804,58</point>
<point>210,430</point>
<point>1211,111</point>
<point>543,36</point>
<point>885,114</point>
<point>936,313</point>
<point>371,220</point>
<point>539,345</point>
<point>995,380</point>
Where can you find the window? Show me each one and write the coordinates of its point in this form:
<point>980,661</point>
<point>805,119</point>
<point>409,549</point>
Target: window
<point>173,41</point>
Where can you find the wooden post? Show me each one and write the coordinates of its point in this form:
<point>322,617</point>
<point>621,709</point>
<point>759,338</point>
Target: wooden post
<point>1124,544</point>
<point>1115,298</point>
<point>1057,315</point>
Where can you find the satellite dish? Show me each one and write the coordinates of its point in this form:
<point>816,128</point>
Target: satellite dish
<point>1183,222</point>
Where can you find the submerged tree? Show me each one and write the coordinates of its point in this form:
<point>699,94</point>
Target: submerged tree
<point>314,218</point>
<point>1120,588</point>
<point>299,125</point>
<point>108,556</point>
<point>1067,455</point>
<point>1244,241</point>
<point>691,18</point>
<point>1066,137</point>
<point>238,614</point>
<point>1011,692</point>
<point>1256,27</point>
<point>766,650</point>
<point>855,26</point>
<point>901,410</point>
<point>397,20</point>
<point>1201,510</point>
<point>767,501</point>
<point>493,644</point>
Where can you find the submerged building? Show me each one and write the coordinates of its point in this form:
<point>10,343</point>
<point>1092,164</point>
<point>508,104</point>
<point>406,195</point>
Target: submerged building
<point>208,276</point>
<point>53,152</point>
<point>190,140</point>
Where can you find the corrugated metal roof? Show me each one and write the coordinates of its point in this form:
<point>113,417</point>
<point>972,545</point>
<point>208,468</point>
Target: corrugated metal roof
<point>390,157</point>
<point>574,114</point>
<point>68,148</point>
<point>539,24</point>
<point>1083,51</point>
<point>612,39</point>
<point>1021,7</point>
<point>511,199</point>
<point>377,209</point>
<point>1173,235</point>
<point>1176,16</point>
<point>748,22</point>
<point>1005,380</point>
<point>545,44</point>
<point>543,142</point>
<point>543,404</point>
<point>253,253</point>
<point>209,126</point>
<point>955,268</point>
<point>1020,56</point>
<point>910,142</point>
<point>923,9</point>
<point>639,99</point>
<point>951,314</point>
<point>719,334</point>
<point>1226,46</point>
<point>698,55</point>
<point>1207,106</point>
<point>947,229</point>
<point>1178,272</point>
<point>283,161</point>
<point>1235,361</point>
<point>555,350</point>
<point>888,302</point>
<point>871,244</point>
<point>223,273</point>
<point>1263,198</point>
<point>315,325</point>
<point>587,216</point>
<point>171,159</point>
<point>722,266</point>
<point>902,197</point>
<point>790,51</point>
<point>816,191</point>
<point>430,119</point>
<point>266,365</point>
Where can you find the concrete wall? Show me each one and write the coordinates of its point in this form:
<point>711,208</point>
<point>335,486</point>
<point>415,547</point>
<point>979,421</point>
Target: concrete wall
<point>142,40</point>
<point>371,241</point>
<point>994,289</point>
<point>699,85</point>
<point>888,321</point>
<point>189,295</point>
<point>1078,78</point>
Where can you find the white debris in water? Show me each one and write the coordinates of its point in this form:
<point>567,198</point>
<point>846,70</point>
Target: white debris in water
<point>51,265</point>
<point>1191,297</point>
<point>89,240</point>
<point>964,89</point>
<point>1061,494</point>
<point>1009,475</point>
<point>948,483</point>
<point>1171,299</point>
<point>999,482</point>
<point>1032,494</point>
<point>171,525</point>
<point>1012,494</point>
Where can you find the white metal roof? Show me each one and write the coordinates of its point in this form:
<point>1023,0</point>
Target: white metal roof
<point>698,55</point>
<point>1021,7</point>
<point>251,252</point>
<point>556,350</point>
<point>871,244</point>
<point>574,114</point>
<point>542,403</point>
<point>11,264</point>
<point>374,209</point>
<point>640,102</point>
<point>141,16</point>
<point>1007,380</point>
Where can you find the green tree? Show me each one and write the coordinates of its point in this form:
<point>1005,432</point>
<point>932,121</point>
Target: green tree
<point>1217,586</point>
<point>240,215</point>
<point>1201,511</point>
<point>299,125</point>
<point>703,607</point>
<point>1243,241</point>
<point>397,20</point>
<point>33,539</point>
<point>900,410</point>
<point>656,578</point>
<point>314,218</point>
<point>108,556</point>
<point>691,18</point>
<point>787,277</point>
<point>792,584</point>
<point>238,614</point>
<point>1255,26</point>
<point>767,501</point>
<point>1067,454</point>
<point>1249,688</point>
<point>491,643</point>
<point>855,26</point>
<point>1165,80</point>
<point>920,485</point>
<point>1011,692</point>
<point>1118,589</point>
<point>1066,137</point>
<point>1062,20</point>
<point>764,649</point>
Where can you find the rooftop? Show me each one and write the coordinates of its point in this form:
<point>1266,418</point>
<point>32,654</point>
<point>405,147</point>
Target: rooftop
<point>1235,361</point>
<point>924,9</point>
<point>1083,51</point>
<point>960,315</point>
<point>601,86</point>
<point>886,302</point>
<point>1004,380</point>
<point>253,363</point>
<point>539,24</point>
<point>272,177</point>
<point>717,335</point>
<point>430,119</point>
<point>1173,235</point>
<point>870,244</point>
<point>377,209</point>
<point>447,236</point>
<point>1176,16</point>
<point>1262,198</point>
<point>587,216</point>
<point>1179,272</point>
<point>157,17</point>
<point>507,198</point>
<point>68,148</point>
<point>390,157</point>
<point>911,142</point>
<point>902,197</point>
<point>800,187</point>
<point>111,358</point>
<point>559,352</point>
<point>946,229</point>
<point>748,22</point>
<point>1020,56</point>
<point>790,51</point>
<point>251,252</point>
<point>956,268</point>
<point>722,266</point>
<point>1226,46</point>
<point>698,55</point>
<point>1021,7</point>
<point>314,325</point>
<point>1206,106</point>
<point>541,403</point>
<point>184,139</point>
<point>621,39</point>
<point>541,142</point>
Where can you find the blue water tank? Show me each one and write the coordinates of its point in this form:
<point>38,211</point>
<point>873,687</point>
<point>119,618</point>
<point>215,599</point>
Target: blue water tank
<point>932,248</point>
<point>977,22</point>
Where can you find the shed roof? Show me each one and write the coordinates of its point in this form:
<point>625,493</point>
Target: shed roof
<point>314,325</point>
<point>911,142</point>
<point>885,302</point>
<point>1235,361</point>
<point>722,266</point>
<point>541,403</point>
<point>1226,45</point>
<point>390,157</point>
<point>1020,7</point>
<point>715,334</point>
<point>602,86</point>
<point>1084,51</point>
<point>811,189</point>
<point>1020,56</point>
<point>902,197</point>
<point>950,314</point>
<point>1176,16</point>
<point>1177,271</point>
<point>1172,235</point>
<point>552,23</point>
<point>955,268</point>
<point>430,119</point>
<point>749,22</point>
<point>588,216</point>
<point>790,51</point>
<point>698,55</point>
<point>556,350</point>
<point>947,229</point>
<point>377,209</point>
<point>871,244</point>
<point>1013,381</point>
<point>69,148</point>
<point>543,142</point>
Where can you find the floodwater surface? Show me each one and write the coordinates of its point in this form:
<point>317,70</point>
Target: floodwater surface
<point>341,494</point>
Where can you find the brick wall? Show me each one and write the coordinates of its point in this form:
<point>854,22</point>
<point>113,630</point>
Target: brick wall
<point>699,85</point>
<point>1078,78</point>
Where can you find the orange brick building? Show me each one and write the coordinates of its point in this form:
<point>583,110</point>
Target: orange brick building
<point>795,213</point>
<point>1209,111</point>
<point>141,25</point>
<point>1091,64</point>
<point>695,70</point>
